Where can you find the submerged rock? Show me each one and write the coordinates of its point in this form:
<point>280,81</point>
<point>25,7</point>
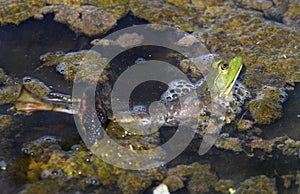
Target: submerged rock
<point>76,169</point>
<point>161,189</point>
<point>224,186</point>
<point>267,105</point>
<point>82,18</point>
<point>87,19</point>
<point>85,65</point>
<point>200,178</point>
<point>47,161</point>
<point>269,147</point>
<point>258,184</point>
<point>5,121</point>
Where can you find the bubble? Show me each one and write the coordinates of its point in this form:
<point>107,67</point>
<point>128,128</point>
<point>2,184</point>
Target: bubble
<point>177,88</point>
<point>61,68</point>
<point>52,173</point>
<point>27,79</point>
<point>75,147</point>
<point>37,146</point>
<point>25,150</point>
<point>47,139</point>
<point>139,60</point>
<point>139,109</point>
<point>92,181</point>
<point>51,139</point>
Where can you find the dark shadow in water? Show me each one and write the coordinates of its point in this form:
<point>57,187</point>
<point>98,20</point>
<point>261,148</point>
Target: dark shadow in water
<point>21,46</point>
<point>289,124</point>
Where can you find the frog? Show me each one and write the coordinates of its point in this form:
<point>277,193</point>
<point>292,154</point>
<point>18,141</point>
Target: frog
<point>218,84</point>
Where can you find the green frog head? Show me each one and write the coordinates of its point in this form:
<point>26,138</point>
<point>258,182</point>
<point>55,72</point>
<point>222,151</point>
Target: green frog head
<point>223,76</point>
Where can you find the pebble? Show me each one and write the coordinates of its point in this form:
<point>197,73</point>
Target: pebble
<point>161,189</point>
<point>3,165</point>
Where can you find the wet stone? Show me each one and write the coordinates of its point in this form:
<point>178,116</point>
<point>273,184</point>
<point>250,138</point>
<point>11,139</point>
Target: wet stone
<point>84,65</point>
<point>3,165</point>
<point>224,186</point>
<point>174,183</point>
<point>258,184</point>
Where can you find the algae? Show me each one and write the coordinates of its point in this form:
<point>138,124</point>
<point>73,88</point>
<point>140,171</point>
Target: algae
<point>85,65</point>
<point>270,51</point>
<point>258,184</point>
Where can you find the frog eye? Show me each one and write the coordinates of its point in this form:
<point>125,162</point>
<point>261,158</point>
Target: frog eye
<point>224,66</point>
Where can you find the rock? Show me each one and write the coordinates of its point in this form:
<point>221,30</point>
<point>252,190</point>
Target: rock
<point>161,189</point>
<point>87,19</point>
<point>224,186</point>
<point>173,182</point>
<point>258,184</point>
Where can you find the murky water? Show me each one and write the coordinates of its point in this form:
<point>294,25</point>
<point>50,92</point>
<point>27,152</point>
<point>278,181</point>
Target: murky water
<point>20,48</point>
<point>289,124</point>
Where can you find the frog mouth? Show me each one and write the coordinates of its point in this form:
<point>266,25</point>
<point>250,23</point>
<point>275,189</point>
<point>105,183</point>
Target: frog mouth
<point>233,81</point>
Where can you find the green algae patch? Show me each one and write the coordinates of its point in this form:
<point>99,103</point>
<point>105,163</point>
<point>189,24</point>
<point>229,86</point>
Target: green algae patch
<point>85,65</point>
<point>5,121</point>
<point>132,141</point>
<point>269,50</point>
<point>87,19</point>
<point>9,93</point>
<point>287,180</point>
<point>174,182</point>
<point>244,124</point>
<point>283,146</point>
<point>81,18</point>
<point>264,111</point>
<point>266,106</point>
<point>224,186</point>
<point>133,183</point>
<point>182,14</point>
<point>4,78</point>
<point>200,178</point>
<point>47,161</point>
<point>231,143</point>
<point>116,8</point>
<point>201,182</point>
<point>16,12</point>
<point>258,184</point>
<point>77,168</point>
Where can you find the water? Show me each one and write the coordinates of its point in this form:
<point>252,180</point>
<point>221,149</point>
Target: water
<point>289,124</point>
<point>20,48</point>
